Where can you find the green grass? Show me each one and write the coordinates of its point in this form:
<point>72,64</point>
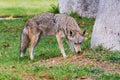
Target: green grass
<point>11,62</point>
<point>100,54</point>
<point>109,77</point>
<point>24,7</point>
<point>12,67</point>
<point>66,72</point>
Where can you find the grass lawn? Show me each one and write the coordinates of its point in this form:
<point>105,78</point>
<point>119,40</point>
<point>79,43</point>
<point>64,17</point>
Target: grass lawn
<point>24,7</point>
<point>48,63</point>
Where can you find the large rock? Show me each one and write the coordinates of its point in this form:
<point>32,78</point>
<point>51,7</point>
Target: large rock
<point>85,8</point>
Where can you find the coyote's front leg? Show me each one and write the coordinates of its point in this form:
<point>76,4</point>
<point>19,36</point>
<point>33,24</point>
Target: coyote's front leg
<point>59,40</point>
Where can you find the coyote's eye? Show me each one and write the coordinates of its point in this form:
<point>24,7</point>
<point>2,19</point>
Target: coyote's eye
<point>75,43</point>
<point>80,43</point>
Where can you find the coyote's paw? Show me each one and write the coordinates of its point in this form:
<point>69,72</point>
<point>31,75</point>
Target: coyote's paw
<point>21,54</point>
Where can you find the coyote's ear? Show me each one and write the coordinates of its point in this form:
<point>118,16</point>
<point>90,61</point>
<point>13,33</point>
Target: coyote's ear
<point>83,32</point>
<point>69,32</point>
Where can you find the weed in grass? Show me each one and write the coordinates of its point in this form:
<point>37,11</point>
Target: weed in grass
<point>74,14</point>
<point>95,70</point>
<point>54,9</point>
<point>109,77</point>
<point>114,57</point>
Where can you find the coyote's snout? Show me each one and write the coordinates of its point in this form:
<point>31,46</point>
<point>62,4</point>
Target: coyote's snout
<point>49,24</point>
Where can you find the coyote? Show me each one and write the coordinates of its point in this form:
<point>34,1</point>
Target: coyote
<point>49,24</point>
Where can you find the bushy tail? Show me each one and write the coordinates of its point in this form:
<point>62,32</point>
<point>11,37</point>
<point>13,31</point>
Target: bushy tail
<point>24,42</point>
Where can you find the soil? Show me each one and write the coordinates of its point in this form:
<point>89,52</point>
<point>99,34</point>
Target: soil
<point>81,61</point>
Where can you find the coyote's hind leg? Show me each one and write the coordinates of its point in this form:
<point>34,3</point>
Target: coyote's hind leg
<point>34,38</point>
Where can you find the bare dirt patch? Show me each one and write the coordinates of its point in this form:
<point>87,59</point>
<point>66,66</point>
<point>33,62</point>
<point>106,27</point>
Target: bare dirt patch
<point>81,61</point>
<point>29,77</point>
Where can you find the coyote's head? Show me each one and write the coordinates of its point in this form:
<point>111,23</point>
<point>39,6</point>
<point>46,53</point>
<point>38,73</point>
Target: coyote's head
<point>76,38</point>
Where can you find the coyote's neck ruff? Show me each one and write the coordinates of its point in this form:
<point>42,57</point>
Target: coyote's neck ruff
<point>59,25</point>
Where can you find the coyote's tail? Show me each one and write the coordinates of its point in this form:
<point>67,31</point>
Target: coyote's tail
<point>24,41</point>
